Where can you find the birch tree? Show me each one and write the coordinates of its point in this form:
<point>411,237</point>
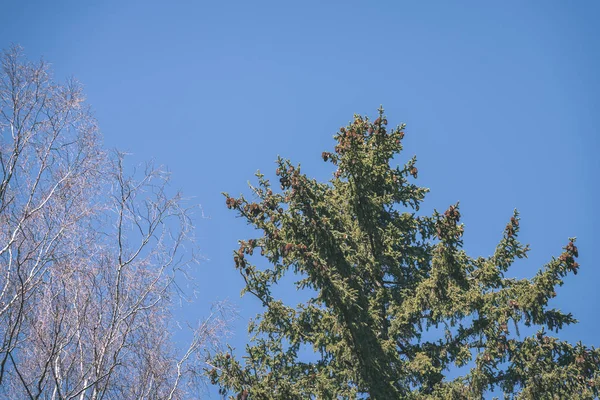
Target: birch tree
<point>91,255</point>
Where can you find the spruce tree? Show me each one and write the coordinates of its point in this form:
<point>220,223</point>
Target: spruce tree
<point>380,275</point>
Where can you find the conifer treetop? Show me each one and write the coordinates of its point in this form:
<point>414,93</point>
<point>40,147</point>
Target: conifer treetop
<point>381,275</point>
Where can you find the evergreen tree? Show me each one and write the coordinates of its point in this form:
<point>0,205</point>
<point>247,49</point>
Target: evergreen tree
<point>380,276</point>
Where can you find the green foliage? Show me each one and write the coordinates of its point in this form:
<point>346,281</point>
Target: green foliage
<point>380,276</point>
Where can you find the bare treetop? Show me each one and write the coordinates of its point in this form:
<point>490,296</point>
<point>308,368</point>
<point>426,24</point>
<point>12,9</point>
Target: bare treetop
<point>89,255</point>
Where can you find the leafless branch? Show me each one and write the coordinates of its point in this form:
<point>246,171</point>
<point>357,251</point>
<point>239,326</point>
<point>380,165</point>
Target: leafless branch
<point>90,255</point>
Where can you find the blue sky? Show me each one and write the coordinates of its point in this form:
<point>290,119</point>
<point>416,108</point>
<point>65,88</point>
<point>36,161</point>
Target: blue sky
<point>501,101</point>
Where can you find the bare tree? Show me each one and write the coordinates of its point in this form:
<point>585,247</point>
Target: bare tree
<point>90,256</point>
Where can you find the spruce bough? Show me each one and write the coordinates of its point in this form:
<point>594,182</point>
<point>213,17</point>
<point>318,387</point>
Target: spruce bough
<point>380,276</point>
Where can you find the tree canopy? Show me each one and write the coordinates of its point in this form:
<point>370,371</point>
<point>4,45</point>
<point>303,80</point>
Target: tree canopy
<point>383,279</point>
<point>91,256</point>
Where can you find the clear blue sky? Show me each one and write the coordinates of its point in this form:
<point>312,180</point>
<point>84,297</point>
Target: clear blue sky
<point>502,102</point>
